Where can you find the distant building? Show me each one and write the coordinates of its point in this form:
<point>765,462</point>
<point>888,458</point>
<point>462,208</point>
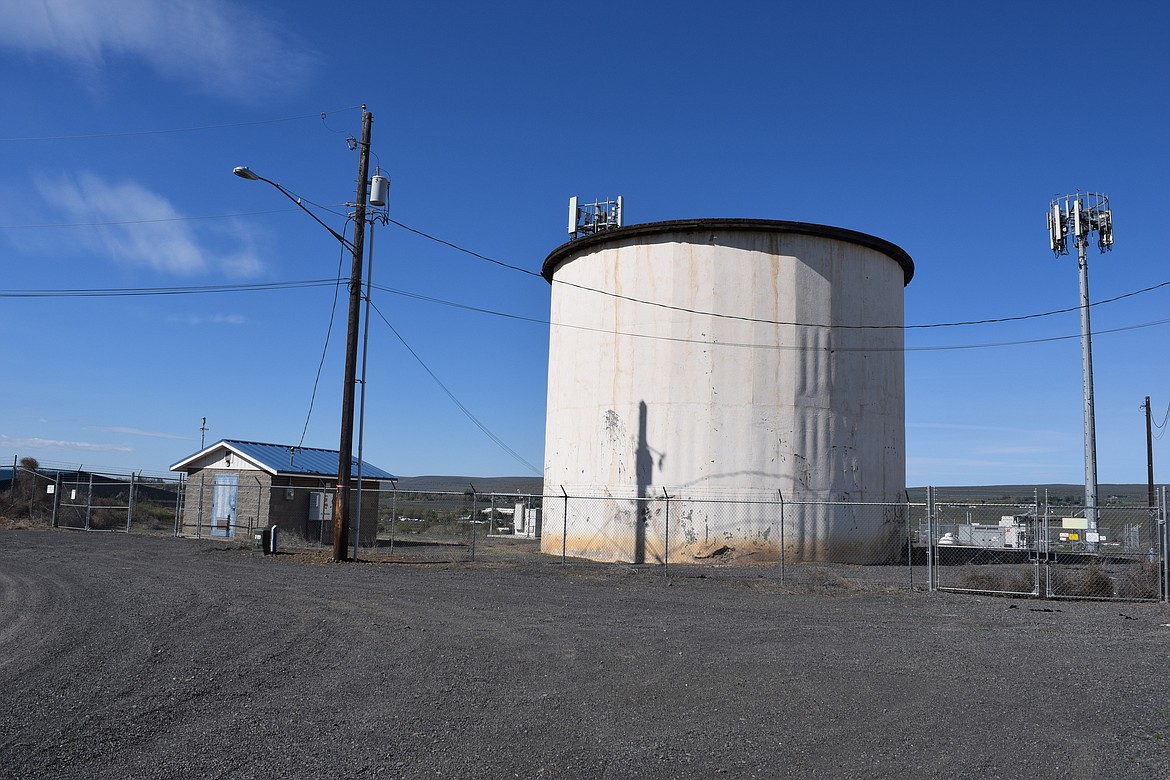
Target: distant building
<point>235,486</point>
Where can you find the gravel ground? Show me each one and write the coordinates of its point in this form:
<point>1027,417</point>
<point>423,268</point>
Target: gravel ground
<point>145,657</point>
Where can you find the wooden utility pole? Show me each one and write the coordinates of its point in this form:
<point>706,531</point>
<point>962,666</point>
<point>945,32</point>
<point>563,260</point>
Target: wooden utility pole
<point>1150,455</point>
<point>345,457</point>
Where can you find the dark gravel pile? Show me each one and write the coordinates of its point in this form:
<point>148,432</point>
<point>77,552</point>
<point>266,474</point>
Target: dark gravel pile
<point>137,657</point>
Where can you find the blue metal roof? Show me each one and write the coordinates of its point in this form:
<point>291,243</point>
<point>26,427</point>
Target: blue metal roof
<point>308,461</point>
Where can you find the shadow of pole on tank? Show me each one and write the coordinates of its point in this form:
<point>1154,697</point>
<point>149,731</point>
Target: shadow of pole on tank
<point>644,472</point>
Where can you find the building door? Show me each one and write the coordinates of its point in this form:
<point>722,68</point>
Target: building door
<point>223,505</point>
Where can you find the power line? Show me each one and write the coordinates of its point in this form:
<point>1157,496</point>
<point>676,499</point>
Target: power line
<point>124,292</point>
<point>682,309</point>
<point>1162,425</point>
<point>325,348</point>
<point>120,292</point>
<point>761,321</point>
<point>748,345</point>
<point>467,412</point>
<point>167,131</point>
<point>467,251</point>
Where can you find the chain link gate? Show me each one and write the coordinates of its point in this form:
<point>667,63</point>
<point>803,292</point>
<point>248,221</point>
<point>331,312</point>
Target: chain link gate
<point>1048,550</point>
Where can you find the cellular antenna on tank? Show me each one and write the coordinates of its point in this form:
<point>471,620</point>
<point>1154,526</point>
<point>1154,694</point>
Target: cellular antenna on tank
<point>1078,216</point>
<point>585,219</point>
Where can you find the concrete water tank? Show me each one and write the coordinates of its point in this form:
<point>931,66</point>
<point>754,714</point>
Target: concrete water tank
<point>747,361</point>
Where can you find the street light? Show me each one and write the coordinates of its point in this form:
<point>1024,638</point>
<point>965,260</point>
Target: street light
<point>345,454</point>
<point>244,172</point>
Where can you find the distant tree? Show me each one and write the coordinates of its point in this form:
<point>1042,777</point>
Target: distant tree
<point>24,481</point>
<point>28,488</point>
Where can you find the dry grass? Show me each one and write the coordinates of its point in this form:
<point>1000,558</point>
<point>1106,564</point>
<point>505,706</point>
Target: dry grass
<point>1139,581</point>
<point>1086,582</point>
<point>998,579</point>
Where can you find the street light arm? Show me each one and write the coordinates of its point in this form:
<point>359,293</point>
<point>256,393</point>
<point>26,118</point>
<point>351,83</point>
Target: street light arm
<point>246,173</point>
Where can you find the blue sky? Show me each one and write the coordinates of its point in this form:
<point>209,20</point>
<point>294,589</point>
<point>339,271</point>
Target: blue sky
<point>944,129</point>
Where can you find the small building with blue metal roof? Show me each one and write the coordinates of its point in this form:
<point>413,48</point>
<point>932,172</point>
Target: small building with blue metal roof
<point>235,486</point>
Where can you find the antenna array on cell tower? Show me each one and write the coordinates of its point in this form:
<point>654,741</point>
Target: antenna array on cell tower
<point>1080,215</point>
<point>588,218</point>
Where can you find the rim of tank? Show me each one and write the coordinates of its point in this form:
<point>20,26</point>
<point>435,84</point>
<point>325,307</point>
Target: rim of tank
<point>564,252</point>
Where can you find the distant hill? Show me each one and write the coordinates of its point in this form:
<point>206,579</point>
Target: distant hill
<point>1072,495</point>
<point>440,484</point>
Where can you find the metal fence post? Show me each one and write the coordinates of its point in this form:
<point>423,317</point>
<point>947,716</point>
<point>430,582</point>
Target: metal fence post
<point>931,575</point>
<point>1039,536</point>
<point>473,510</point>
<point>393,510</point>
<point>781,494</point>
<point>130,503</point>
<point>565,528</point>
<point>199,513</point>
<point>179,492</point>
<point>909,540</point>
<point>56,496</point>
<point>89,501</point>
<point>1044,576</point>
<point>666,543</point>
<point>1165,542</point>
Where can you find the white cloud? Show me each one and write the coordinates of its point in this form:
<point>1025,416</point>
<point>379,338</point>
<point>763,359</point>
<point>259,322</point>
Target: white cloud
<point>36,443</point>
<point>196,320</point>
<point>979,428</point>
<point>139,227</point>
<point>220,47</point>
<point>139,432</point>
<point>1022,449</point>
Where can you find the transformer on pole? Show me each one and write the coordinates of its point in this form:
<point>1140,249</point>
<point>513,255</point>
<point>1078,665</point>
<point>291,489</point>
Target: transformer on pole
<point>1078,216</point>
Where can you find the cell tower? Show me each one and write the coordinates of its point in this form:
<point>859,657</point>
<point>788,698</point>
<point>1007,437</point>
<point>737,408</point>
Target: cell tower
<point>1079,215</point>
<point>585,219</point>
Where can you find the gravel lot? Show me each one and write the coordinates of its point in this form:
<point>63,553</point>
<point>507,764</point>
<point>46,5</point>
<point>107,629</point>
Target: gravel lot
<point>152,657</point>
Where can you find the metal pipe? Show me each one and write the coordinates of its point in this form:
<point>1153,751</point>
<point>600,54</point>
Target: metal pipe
<point>1087,382</point>
<point>259,499</point>
<point>362,404</point>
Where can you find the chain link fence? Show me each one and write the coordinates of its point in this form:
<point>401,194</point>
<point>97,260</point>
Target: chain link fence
<point>80,499</point>
<point>388,524</point>
<point>450,526</point>
<point>1048,550</point>
<point>810,543</point>
<point>1040,549</point>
